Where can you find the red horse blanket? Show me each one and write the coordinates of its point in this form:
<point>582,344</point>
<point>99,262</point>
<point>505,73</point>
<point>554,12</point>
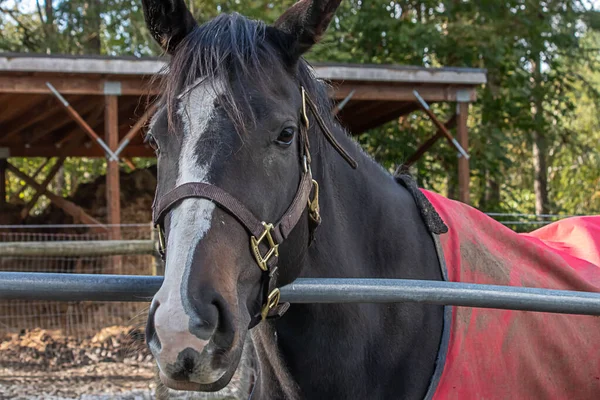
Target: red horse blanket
<point>503,354</point>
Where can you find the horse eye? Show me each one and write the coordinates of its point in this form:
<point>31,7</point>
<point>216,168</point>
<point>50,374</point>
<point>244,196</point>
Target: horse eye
<point>286,137</point>
<point>152,143</point>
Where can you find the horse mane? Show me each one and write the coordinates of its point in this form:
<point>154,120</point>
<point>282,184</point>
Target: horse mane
<point>232,47</point>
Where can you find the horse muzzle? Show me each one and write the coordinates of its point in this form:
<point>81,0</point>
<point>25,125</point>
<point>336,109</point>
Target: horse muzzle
<point>184,345</point>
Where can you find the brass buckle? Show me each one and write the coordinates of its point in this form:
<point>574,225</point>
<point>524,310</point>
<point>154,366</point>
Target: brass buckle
<point>313,205</point>
<point>304,113</point>
<point>272,302</point>
<point>273,248</point>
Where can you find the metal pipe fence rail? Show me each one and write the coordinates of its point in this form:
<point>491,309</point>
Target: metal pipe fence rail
<point>84,287</point>
<point>72,249</point>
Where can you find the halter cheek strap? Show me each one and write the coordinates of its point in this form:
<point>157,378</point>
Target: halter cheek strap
<point>265,238</point>
<point>279,232</point>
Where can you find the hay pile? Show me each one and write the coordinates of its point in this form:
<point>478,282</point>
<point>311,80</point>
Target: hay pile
<point>51,350</point>
<point>114,364</point>
<point>42,364</point>
<point>10,214</point>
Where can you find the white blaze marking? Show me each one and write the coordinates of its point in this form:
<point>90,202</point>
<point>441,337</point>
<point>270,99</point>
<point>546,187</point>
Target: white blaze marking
<point>190,220</point>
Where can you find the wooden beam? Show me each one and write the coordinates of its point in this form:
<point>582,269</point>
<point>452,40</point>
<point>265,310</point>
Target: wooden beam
<point>113,189</point>
<point>139,86</point>
<point>94,119</point>
<point>37,133</point>
<point>350,73</point>
<point>364,108</point>
<point>429,143</point>
<point>391,92</point>
<point>385,116</point>
<point>15,196</point>
<point>55,124</point>
<point>453,142</point>
<point>130,86</point>
<point>3,181</point>
<point>21,150</point>
<point>462,133</point>
<point>129,162</point>
<point>135,129</point>
<point>55,168</point>
<point>107,66</point>
<point>5,100</point>
<point>73,210</point>
<point>28,118</point>
<point>81,122</point>
<point>68,137</point>
<point>354,106</point>
<point>51,174</point>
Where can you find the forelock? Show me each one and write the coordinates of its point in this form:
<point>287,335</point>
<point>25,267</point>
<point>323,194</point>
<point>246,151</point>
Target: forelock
<point>233,48</point>
<point>228,47</point>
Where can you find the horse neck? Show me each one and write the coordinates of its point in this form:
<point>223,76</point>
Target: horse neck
<point>371,228</point>
<point>360,210</point>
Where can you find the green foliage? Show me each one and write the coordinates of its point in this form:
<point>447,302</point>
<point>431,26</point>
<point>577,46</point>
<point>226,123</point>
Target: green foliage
<point>510,39</point>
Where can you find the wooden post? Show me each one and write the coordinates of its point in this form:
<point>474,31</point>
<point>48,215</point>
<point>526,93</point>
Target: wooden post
<point>3,181</point>
<point>462,133</point>
<point>113,188</point>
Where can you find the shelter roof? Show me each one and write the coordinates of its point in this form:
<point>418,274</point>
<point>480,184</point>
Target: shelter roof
<point>33,123</point>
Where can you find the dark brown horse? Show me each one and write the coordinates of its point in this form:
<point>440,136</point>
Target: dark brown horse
<point>244,136</point>
<point>232,116</point>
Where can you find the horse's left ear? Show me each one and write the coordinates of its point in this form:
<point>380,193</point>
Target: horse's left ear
<point>169,21</point>
<point>306,22</point>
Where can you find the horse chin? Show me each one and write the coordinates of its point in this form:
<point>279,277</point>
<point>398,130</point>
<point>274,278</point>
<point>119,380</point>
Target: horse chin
<point>214,386</point>
<point>189,386</point>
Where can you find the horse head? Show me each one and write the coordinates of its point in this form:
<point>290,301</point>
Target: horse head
<point>231,136</point>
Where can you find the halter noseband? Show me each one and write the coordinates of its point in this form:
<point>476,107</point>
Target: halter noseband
<point>265,238</point>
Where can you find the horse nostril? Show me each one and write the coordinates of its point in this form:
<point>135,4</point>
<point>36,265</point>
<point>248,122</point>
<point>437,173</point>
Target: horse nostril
<point>204,321</point>
<point>152,340</point>
<point>212,315</point>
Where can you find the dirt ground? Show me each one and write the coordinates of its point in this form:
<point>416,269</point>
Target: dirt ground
<point>114,364</point>
<point>98,381</point>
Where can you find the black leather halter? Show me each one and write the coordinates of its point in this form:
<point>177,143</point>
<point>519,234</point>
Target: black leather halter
<point>265,238</point>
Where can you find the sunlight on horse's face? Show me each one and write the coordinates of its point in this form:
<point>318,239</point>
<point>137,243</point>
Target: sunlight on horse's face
<point>200,315</point>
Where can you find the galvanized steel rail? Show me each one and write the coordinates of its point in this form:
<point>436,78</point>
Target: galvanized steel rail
<point>74,287</point>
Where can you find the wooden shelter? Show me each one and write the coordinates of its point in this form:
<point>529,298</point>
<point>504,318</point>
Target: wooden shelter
<point>66,106</point>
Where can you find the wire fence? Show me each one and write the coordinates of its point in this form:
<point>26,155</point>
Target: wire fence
<point>84,347</point>
<point>82,319</point>
<point>527,222</point>
<point>76,319</point>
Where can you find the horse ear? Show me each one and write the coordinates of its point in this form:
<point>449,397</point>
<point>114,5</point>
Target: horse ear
<point>169,21</point>
<point>306,22</point>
